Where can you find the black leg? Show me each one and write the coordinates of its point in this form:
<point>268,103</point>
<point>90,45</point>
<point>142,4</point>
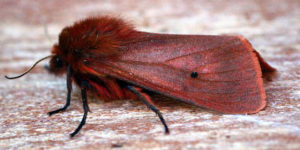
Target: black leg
<point>84,85</point>
<point>69,87</point>
<point>146,101</point>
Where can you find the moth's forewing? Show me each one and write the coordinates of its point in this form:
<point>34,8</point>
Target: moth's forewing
<point>229,77</point>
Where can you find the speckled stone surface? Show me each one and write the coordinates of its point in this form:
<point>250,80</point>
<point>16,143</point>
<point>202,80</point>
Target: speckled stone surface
<point>273,27</point>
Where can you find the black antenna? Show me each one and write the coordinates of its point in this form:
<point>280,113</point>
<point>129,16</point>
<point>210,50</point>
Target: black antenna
<point>15,77</point>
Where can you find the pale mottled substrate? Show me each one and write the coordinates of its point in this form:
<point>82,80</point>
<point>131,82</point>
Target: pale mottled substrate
<point>271,26</point>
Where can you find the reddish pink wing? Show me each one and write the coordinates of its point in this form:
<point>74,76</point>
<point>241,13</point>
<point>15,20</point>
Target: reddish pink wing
<point>229,75</point>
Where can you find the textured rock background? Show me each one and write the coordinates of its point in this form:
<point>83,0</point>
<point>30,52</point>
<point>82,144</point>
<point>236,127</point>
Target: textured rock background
<point>272,26</point>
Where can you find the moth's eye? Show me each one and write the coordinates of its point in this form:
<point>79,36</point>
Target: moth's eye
<point>58,62</point>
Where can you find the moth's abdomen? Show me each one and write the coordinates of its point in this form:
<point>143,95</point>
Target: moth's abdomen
<point>110,89</point>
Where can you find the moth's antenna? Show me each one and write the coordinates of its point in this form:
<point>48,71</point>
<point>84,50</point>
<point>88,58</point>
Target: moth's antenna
<point>15,77</point>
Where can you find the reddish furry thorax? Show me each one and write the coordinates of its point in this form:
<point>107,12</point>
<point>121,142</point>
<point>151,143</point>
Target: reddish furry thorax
<point>99,37</point>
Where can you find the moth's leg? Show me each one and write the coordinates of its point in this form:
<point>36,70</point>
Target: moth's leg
<point>69,87</point>
<point>146,99</point>
<point>84,85</point>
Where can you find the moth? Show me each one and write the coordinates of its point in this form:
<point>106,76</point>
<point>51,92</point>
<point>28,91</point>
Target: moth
<point>107,57</point>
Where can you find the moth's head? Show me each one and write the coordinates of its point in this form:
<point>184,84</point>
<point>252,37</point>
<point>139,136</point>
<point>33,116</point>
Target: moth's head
<point>57,65</point>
